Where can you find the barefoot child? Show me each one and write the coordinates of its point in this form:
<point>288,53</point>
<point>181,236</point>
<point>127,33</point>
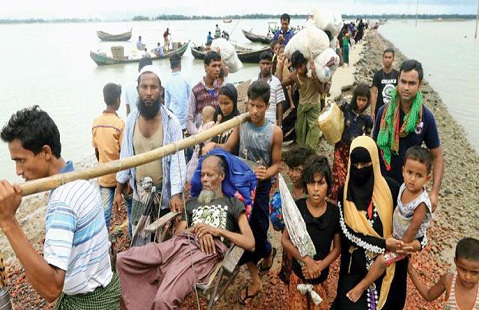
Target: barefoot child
<point>411,217</point>
<point>322,223</point>
<point>461,287</point>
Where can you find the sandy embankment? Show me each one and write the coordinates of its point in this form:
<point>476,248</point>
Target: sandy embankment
<point>456,217</point>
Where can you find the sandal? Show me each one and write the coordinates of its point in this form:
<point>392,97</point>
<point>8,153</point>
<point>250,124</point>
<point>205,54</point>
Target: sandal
<point>247,297</point>
<point>264,269</point>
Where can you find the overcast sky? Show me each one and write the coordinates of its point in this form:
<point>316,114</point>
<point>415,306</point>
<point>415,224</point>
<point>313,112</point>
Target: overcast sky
<point>107,9</point>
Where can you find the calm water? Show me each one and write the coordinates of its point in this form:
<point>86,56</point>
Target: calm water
<point>449,54</point>
<point>49,65</point>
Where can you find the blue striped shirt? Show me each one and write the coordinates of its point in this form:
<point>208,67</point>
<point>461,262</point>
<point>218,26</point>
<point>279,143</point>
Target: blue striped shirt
<point>76,236</point>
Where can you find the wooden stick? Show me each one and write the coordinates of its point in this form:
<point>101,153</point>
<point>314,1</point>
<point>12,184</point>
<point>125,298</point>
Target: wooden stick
<point>54,181</point>
<point>3,273</point>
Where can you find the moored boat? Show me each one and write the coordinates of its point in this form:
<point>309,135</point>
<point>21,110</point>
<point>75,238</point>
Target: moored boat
<point>227,20</point>
<point>257,38</point>
<point>105,36</point>
<point>244,54</point>
<point>102,58</point>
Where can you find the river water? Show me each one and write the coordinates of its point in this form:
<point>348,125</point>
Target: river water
<point>49,65</point>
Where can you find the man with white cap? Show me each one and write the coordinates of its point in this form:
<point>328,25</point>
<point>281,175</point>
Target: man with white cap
<point>151,127</point>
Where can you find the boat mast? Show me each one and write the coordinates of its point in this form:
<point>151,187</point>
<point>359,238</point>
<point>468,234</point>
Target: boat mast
<point>477,19</point>
<point>417,9</point>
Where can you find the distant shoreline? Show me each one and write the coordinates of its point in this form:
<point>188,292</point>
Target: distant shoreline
<point>443,17</point>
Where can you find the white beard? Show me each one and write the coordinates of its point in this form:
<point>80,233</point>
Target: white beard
<point>206,196</point>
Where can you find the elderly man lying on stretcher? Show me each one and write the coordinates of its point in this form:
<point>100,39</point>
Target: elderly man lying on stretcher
<point>161,275</point>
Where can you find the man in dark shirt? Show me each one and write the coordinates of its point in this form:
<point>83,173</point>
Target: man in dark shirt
<point>405,122</point>
<point>384,83</point>
<point>284,34</point>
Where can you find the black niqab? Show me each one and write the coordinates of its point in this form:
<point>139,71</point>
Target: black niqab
<point>361,181</point>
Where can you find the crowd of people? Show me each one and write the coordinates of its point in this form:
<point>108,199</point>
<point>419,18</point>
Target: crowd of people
<point>372,209</point>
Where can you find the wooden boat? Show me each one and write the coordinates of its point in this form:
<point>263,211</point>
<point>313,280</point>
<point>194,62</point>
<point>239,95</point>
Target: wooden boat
<point>247,55</point>
<point>253,37</point>
<point>227,20</point>
<point>102,59</point>
<point>105,36</point>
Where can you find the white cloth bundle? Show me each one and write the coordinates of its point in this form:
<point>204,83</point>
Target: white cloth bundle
<point>327,20</point>
<point>228,54</point>
<point>326,64</point>
<point>294,222</point>
<point>310,41</point>
<point>308,288</point>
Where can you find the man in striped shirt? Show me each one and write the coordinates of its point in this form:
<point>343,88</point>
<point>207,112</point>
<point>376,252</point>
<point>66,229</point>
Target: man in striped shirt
<point>274,113</point>
<point>75,267</point>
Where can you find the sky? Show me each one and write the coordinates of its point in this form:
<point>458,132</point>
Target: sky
<point>124,9</point>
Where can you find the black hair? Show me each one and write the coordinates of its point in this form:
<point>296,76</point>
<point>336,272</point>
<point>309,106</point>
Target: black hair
<point>421,154</point>
<point>111,92</point>
<point>298,59</point>
<point>297,155</point>
<point>388,50</point>
<point>410,65</point>
<point>286,17</point>
<point>266,55</point>
<point>175,61</point>
<point>468,248</point>
<point>259,89</point>
<point>212,56</point>
<point>362,90</point>
<point>145,61</point>
<point>317,164</point>
<point>273,43</point>
<point>34,128</point>
<point>228,90</point>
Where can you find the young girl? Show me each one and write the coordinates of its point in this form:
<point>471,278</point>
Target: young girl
<point>411,217</point>
<point>461,287</point>
<point>226,110</point>
<point>322,222</point>
<point>356,123</point>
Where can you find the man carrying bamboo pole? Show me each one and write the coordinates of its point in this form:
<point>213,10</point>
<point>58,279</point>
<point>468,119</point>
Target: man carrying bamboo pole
<point>75,267</point>
<point>151,127</point>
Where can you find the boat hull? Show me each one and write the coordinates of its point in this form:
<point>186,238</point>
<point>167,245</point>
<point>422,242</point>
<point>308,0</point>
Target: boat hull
<point>103,60</point>
<point>256,37</point>
<point>105,36</point>
<point>245,55</point>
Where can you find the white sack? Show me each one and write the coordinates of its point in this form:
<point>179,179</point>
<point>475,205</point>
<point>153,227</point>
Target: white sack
<point>310,41</point>
<point>325,65</point>
<point>327,20</point>
<point>228,54</point>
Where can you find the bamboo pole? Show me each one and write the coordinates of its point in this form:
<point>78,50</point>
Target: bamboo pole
<point>54,181</point>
